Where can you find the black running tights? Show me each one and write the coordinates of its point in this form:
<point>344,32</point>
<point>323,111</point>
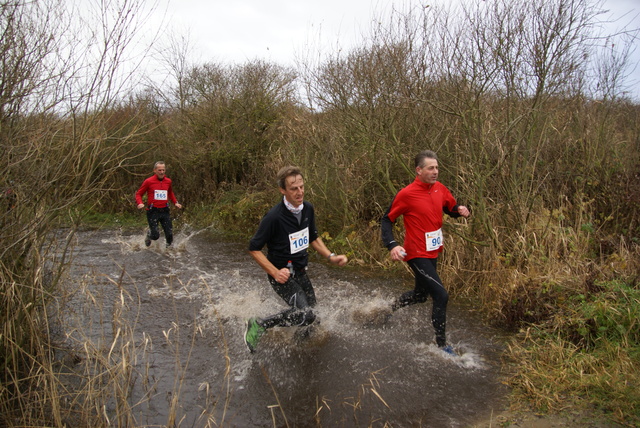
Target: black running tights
<point>428,283</point>
<point>299,295</point>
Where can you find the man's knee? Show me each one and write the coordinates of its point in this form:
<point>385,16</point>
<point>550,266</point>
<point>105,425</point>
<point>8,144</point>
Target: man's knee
<point>441,297</point>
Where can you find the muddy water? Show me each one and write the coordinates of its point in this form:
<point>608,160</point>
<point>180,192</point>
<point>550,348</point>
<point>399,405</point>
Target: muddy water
<point>184,310</point>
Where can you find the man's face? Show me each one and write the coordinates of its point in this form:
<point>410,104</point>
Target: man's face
<point>428,173</point>
<point>159,171</point>
<point>294,191</point>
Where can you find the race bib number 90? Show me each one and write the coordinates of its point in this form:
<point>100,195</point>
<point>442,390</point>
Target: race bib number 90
<point>434,240</point>
<point>299,241</point>
<point>160,195</point>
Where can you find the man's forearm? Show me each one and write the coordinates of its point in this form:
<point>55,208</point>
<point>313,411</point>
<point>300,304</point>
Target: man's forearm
<point>264,263</point>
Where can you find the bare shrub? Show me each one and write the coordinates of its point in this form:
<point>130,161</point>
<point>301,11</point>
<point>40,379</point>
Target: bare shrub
<point>223,124</point>
<point>60,144</point>
<point>501,91</point>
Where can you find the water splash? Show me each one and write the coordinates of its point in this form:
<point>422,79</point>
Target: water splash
<point>358,355</point>
<point>133,243</point>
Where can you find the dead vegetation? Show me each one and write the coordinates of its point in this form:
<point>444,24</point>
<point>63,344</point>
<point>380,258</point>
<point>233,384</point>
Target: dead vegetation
<point>523,101</point>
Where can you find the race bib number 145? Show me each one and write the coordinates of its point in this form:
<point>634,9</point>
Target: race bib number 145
<point>160,195</point>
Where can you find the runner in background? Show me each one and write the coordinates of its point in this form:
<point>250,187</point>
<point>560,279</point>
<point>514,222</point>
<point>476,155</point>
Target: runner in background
<point>159,193</point>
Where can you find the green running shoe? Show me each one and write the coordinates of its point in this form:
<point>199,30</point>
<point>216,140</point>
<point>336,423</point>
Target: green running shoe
<point>252,334</point>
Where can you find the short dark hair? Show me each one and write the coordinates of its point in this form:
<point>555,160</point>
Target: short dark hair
<point>285,172</point>
<point>420,157</point>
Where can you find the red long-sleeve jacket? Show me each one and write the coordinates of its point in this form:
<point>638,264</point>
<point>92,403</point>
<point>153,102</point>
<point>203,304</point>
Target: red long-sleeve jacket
<point>159,192</point>
<point>422,206</point>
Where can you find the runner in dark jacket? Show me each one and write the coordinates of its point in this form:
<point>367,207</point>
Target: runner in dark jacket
<point>287,230</point>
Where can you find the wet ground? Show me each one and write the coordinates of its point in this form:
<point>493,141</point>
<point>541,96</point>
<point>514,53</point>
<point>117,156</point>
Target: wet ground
<point>177,315</point>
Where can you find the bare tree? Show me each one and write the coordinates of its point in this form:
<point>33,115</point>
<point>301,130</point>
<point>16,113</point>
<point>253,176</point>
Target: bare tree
<point>489,85</point>
<point>61,81</point>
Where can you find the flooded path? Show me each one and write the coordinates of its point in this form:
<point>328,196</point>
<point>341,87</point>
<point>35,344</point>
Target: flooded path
<point>179,316</point>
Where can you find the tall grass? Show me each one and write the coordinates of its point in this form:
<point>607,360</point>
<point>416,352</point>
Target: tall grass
<point>100,370</point>
<point>589,353</point>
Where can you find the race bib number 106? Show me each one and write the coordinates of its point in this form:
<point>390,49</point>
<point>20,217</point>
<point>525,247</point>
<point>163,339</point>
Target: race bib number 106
<point>299,241</point>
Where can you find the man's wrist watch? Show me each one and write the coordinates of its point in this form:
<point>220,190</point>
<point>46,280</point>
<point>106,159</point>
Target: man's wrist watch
<point>330,255</point>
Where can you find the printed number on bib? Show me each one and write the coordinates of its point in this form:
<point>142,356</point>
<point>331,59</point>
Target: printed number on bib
<point>434,240</point>
<point>299,240</point>
<point>160,195</point>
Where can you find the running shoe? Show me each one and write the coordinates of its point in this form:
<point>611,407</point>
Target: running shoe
<point>147,240</point>
<point>252,334</point>
<point>303,333</point>
<point>449,350</point>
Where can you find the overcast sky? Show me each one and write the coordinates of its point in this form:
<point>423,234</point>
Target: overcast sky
<point>239,30</point>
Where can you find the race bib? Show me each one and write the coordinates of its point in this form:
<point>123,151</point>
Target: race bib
<point>160,195</point>
<point>298,241</point>
<point>434,240</point>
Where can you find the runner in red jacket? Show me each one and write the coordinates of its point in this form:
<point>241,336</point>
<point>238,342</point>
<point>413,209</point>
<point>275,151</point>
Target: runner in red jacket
<point>421,204</point>
<point>159,193</point>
